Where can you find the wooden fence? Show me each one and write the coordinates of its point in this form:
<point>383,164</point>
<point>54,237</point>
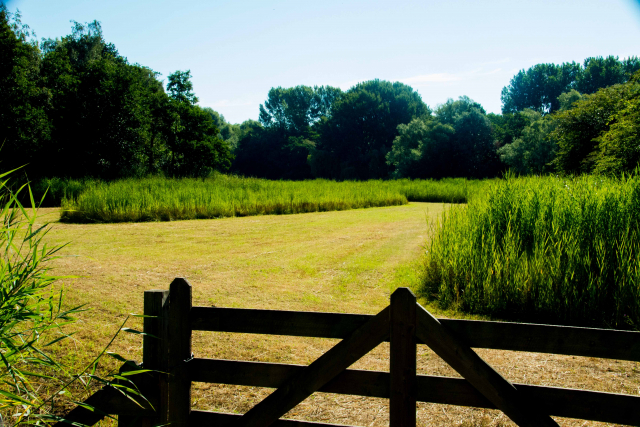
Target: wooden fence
<point>404,323</point>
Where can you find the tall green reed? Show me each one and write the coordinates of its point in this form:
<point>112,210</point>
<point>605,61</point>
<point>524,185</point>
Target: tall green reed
<point>33,379</point>
<point>542,249</point>
<point>163,199</point>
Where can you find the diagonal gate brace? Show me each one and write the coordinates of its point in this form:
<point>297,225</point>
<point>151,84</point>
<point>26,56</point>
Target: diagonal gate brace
<point>318,373</point>
<point>479,373</point>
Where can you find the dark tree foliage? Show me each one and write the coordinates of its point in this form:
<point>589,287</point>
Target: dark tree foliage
<point>75,107</point>
<point>579,129</point>
<point>193,142</point>
<point>619,150</point>
<point>289,119</point>
<point>602,72</point>
<point>457,142</point>
<point>539,87</point>
<point>355,140</point>
<point>25,128</point>
<point>180,87</point>
<point>507,127</point>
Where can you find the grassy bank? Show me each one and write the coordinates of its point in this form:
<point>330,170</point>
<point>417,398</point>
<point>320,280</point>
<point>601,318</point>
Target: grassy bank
<point>544,250</point>
<point>163,199</point>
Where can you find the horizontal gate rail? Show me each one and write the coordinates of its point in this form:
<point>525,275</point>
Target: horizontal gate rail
<point>567,340</point>
<point>561,402</point>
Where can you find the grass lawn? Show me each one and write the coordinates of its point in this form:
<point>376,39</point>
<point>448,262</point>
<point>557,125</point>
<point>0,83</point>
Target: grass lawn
<point>347,261</point>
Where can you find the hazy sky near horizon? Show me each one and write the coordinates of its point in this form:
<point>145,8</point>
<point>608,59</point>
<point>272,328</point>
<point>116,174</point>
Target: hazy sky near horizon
<point>238,50</point>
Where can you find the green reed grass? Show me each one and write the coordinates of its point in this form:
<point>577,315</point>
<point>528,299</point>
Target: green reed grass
<point>52,191</point>
<point>164,199</point>
<point>448,190</point>
<point>542,249</point>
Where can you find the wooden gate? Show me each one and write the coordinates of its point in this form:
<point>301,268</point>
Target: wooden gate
<point>404,323</point>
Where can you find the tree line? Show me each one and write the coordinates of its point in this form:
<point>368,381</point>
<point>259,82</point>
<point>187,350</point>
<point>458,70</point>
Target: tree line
<point>74,107</point>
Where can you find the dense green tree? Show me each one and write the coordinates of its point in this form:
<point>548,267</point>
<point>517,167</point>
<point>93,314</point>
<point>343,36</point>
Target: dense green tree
<point>507,127</point>
<point>619,146</point>
<point>538,87</point>
<point>579,128</point>
<point>409,146</point>
<point>533,151</point>
<point>228,132</point>
<point>457,142</point>
<point>289,118</point>
<point>356,138</point>
<point>25,128</point>
<point>195,148</point>
<point>100,106</point>
<point>180,87</point>
<point>294,110</point>
<point>75,107</point>
<point>567,99</point>
<point>602,72</point>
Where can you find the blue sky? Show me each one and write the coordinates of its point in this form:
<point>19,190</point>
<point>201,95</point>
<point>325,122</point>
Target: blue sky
<point>237,50</point>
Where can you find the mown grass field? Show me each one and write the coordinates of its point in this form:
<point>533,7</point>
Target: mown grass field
<point>343,261</point>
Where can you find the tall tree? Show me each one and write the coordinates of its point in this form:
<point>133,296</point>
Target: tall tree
<point>25,128</point>
<point>294,110</point>
<point>533,151</point>
<point>579,128</point>
<point>356,138</point>
<point>100,106</point>
<point>457,142</point>
<point>619,151</point>
<point>602,72</point>
<point>538,87</point>
<point>180,87</point>
<point>195,147</point>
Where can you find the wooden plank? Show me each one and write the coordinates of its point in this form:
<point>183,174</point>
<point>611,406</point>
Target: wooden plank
<point>318,373</point>
<point>155,353</point>
<point>475,370</point>
<point>402,359</point>
<point>589,342</point>
<point>179,352</point>
<point>219,419</point>
<point>276,322</point>
<point>275,375</point>
<point>570,403</point>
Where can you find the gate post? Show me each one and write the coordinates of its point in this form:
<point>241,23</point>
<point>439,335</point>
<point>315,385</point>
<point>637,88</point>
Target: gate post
<point>155,351</point>
<point>403,350</point>
<point>179,352</point>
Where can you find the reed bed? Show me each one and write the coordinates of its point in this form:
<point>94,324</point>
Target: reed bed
<point>164,199</point>
<point>542,249</point>
<point>160,199</point>
<point>447,190</point>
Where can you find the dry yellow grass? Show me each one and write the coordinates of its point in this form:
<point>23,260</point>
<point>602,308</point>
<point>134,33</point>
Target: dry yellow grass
<point>347,261</point>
